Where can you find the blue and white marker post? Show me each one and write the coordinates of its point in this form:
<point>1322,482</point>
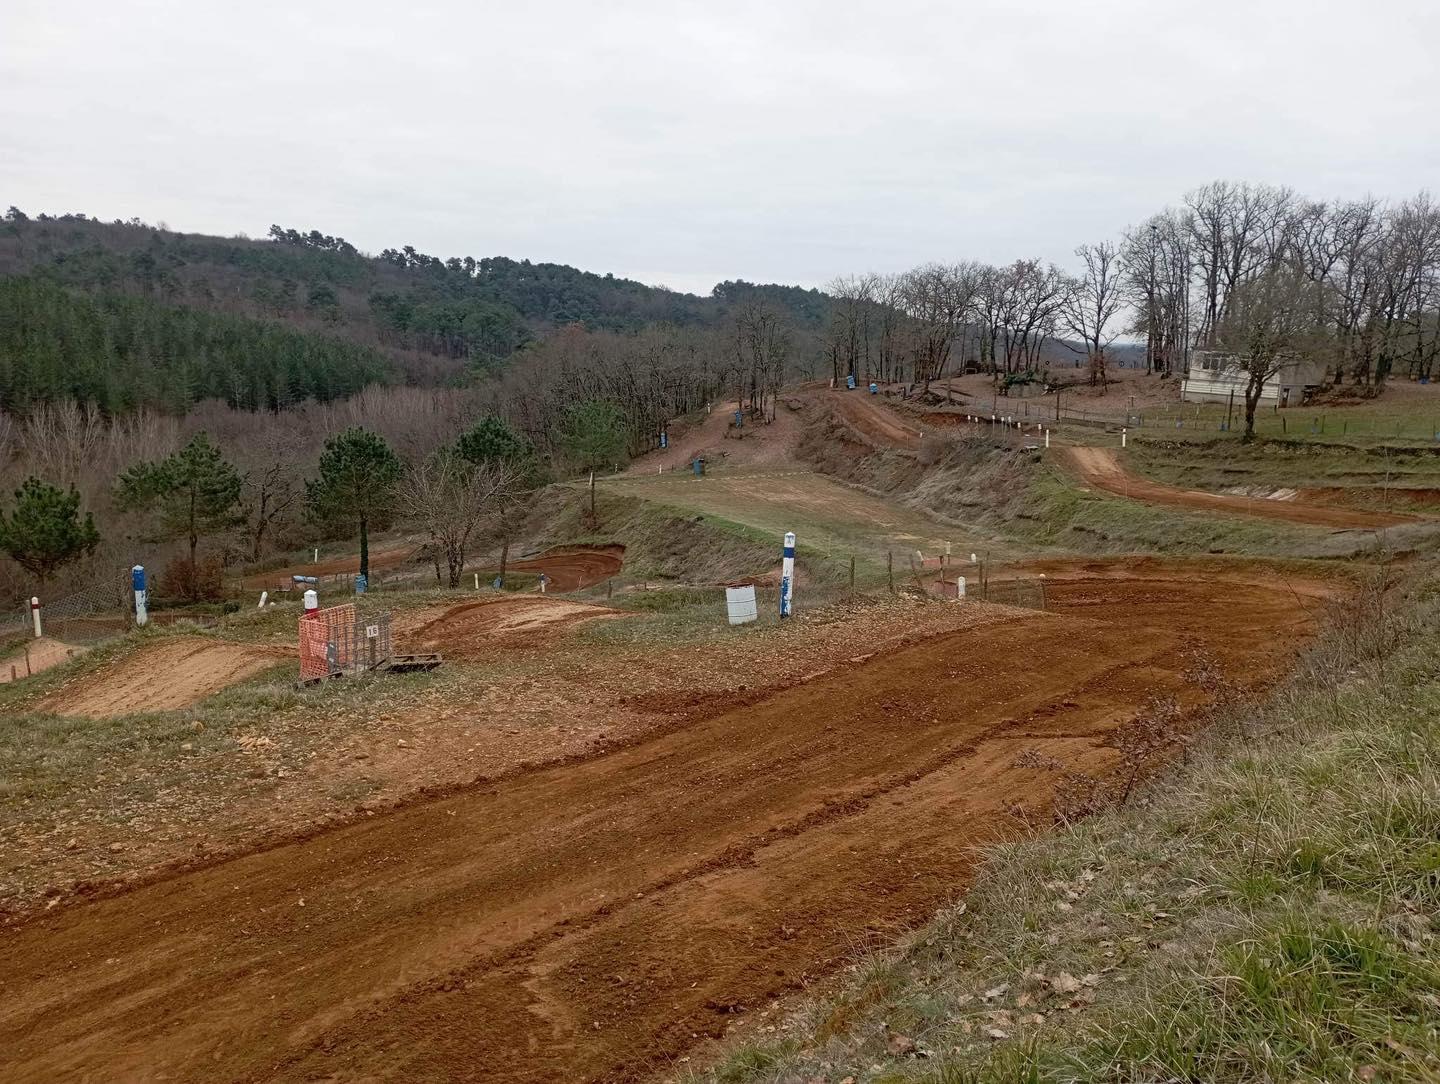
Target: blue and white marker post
<point>137,581</point>
<point>787,576</point>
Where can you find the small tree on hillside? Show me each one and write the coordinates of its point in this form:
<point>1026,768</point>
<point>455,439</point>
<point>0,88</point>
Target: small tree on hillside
<point>593,437</point>
<point>358,474</point>
<point>1269,322</point>
<point>492,443</point>
<point>44,531</point>
<point>451,499</point>
<point>195,491</point>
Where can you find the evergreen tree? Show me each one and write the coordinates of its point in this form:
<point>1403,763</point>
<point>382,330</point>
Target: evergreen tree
<point>44,531</point>
<point>593,435</point>
<point>193,492</point>
<point>358,474</point>
<point>490,440</point>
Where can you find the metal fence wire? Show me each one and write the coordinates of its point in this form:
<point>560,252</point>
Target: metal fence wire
<point>97,612</point>
<point>337,641</point>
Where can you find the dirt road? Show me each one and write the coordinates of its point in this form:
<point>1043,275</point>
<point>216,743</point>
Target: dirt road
<point>1101,467</point>
<point>591,920</point>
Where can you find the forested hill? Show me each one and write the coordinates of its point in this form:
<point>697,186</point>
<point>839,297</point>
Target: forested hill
<point>409,316</point>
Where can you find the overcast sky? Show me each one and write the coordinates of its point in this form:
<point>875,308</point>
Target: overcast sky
<point>684,143</point>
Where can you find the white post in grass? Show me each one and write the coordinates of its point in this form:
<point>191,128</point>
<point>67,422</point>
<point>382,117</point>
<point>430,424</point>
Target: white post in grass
<point>1124,433</point>
<point>1047,438</point>
<point>787,575</point>
<point>264,596</point>
<point>35,614</point>
<point>959,588</point>
<point>137,581</point>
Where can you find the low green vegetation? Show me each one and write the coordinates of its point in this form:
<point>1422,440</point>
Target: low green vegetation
<point>1269,912</point>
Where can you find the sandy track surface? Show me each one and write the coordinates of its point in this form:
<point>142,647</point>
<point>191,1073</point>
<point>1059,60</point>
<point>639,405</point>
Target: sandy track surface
<point>757,444</point>
<point>589,920</point>
<point>173,673</point>
<point>1101,467</point>
<point>36,656</point>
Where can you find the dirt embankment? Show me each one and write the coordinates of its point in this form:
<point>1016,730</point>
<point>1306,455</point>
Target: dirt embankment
<point>1101,467</point>
<point>36,656</point>
<point>589,920</point>
<point>473,630</point>
<point>570,568</point>
<point>173,673</point>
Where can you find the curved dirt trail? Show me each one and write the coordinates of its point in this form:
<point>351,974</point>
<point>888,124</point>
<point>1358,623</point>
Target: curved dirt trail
<point>1101,467</point>
<point>572,567</point>
<point>587,921</point>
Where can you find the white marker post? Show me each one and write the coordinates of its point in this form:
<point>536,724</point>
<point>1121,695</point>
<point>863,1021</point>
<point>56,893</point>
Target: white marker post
<point>137,581</point>
<point>1047,438</point>
<point>787,575</point>
<point>959,588</point>
<point>1123,434</point>
<point>35,614</point>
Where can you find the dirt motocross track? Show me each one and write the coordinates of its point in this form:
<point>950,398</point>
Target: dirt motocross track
<point>593,919</point>
<point>1100,467</point>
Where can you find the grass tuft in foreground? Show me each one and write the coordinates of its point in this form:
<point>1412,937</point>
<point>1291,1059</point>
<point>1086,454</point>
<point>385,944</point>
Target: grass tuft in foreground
<point>1267,913</point>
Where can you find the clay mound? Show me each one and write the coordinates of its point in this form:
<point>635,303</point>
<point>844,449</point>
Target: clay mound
<point>1101,467</point>
<point>571,568</point>
<point>172,674</point>
<point>473,630</point>
<point>35,656</point>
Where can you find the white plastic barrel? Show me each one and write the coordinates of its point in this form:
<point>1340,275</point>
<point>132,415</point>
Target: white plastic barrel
<point>740,604</point>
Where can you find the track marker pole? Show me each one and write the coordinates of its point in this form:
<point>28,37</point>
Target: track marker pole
<point>137,581</point>
<point>34,616</point>
<point>787,575</point>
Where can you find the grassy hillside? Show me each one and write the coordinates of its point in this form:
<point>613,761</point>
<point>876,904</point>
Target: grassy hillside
<point>1268,913</point>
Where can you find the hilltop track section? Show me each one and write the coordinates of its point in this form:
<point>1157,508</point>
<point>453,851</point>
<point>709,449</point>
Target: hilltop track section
<point>589,920</point>
<point>1101,468</point>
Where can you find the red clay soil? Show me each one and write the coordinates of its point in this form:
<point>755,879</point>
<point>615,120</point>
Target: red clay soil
<point>591,920</point>
<point>1101,467</point>
<point>571,568</point>
<point>473,630</point>
<point>382,557</point>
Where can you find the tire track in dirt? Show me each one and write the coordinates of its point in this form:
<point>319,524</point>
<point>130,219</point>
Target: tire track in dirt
<point>571,568</point>
<point>173,673</point>
<point>1101,467</point>
<point>590,920</point>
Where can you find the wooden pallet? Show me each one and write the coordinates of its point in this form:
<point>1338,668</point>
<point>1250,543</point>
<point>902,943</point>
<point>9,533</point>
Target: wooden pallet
<point>409,664</point>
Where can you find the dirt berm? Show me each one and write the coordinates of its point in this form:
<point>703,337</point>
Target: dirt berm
<point>1102,468</point>
<point>590,920</point>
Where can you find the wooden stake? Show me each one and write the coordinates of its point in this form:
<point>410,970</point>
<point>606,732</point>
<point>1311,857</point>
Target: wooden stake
<point>852,577</point>
<point>890,569</point>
